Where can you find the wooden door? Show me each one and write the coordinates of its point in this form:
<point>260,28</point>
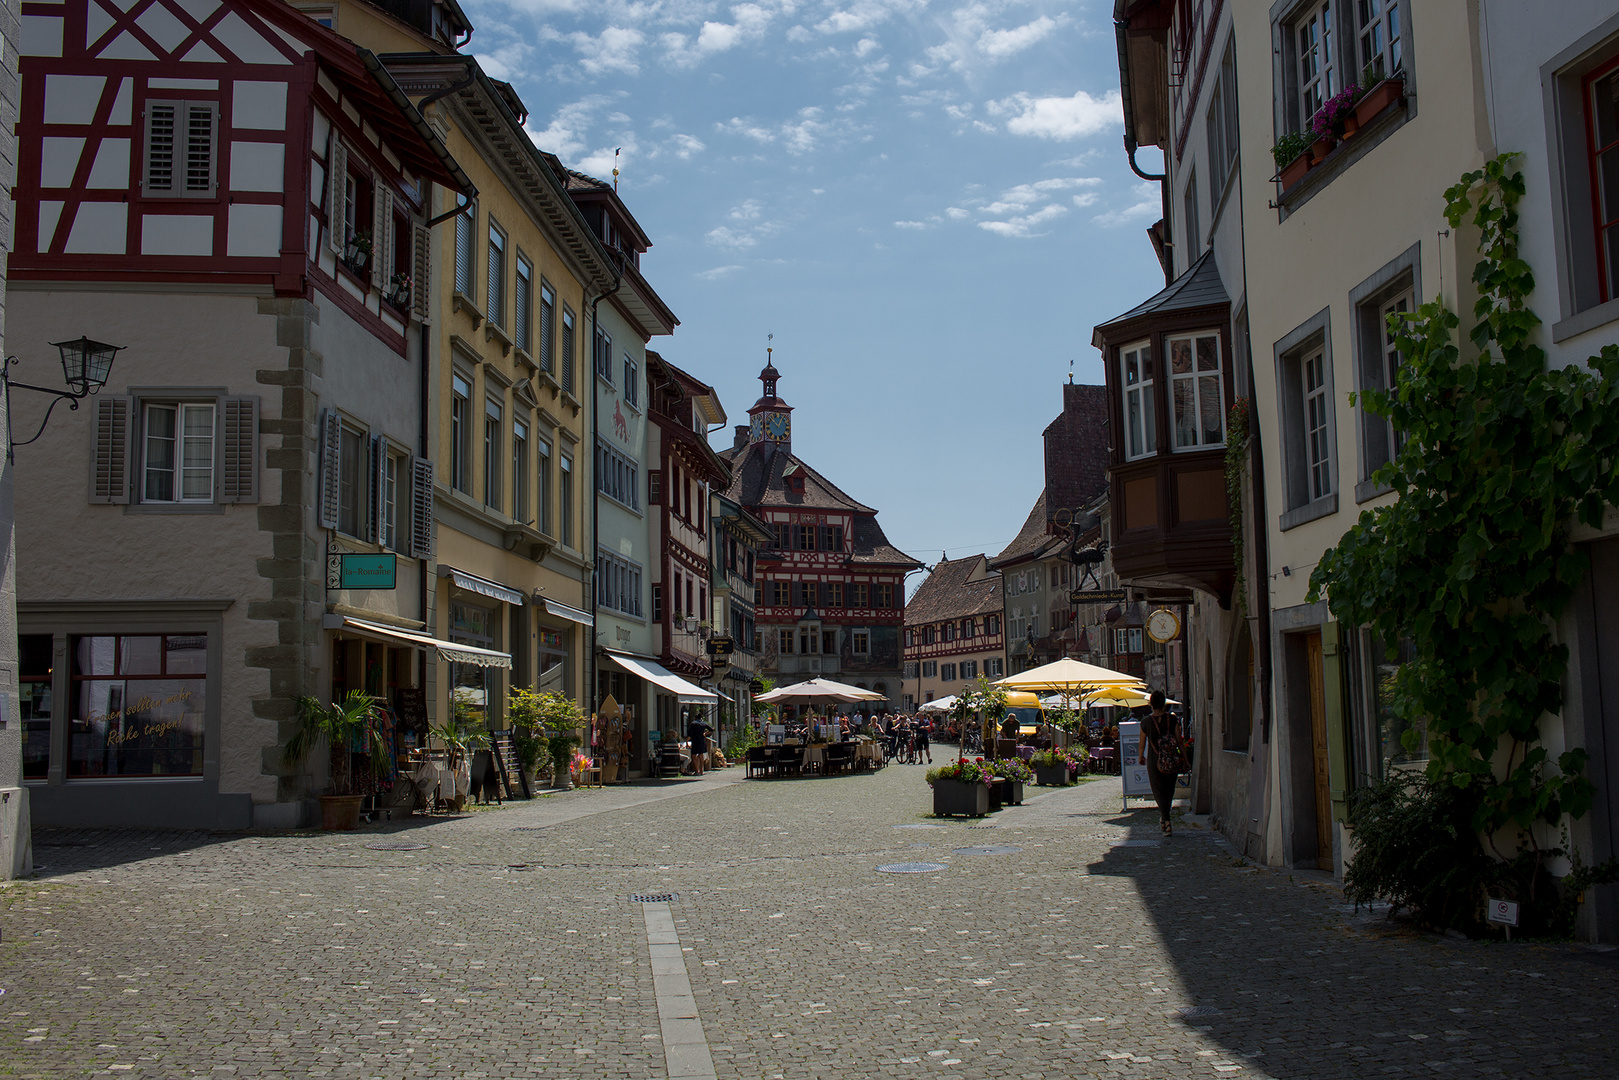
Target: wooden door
<point>1318,746</point>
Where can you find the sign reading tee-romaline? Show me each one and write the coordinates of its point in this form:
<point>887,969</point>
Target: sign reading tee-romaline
<point>370,571</point>
<point>1131,767</point>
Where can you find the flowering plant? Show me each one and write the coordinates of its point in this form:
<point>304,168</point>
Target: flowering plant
<point>966,772</point>
<point>1011,769</point>
<point>1328,121</point>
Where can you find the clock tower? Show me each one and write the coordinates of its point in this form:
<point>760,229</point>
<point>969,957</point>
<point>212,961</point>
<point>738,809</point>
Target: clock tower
<point>771,419</point>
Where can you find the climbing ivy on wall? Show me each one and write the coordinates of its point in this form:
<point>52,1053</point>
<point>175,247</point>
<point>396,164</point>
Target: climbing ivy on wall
<point>1473,563</point>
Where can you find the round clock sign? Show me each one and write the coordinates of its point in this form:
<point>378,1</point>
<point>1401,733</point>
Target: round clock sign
<point>1163,625</point>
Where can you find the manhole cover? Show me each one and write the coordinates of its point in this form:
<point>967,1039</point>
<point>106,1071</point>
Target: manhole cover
<point>652,898</point>
<point>396,845</point>
<point>988,849</point>
<point>1197,1012</point>
<point>910,868</point>
<point>921,825</point>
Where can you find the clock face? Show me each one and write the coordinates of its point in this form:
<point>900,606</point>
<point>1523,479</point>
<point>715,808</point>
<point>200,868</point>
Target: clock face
<point>1163,625</point>
<point>776,426</point>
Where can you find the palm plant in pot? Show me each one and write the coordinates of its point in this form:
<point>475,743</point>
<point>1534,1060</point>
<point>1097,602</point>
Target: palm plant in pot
<point>351,726</point>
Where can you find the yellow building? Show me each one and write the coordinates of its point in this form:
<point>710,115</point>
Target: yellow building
<point>504,294</point>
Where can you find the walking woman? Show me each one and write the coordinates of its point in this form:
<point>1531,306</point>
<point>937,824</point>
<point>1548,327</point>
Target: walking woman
<point>1161,756</point>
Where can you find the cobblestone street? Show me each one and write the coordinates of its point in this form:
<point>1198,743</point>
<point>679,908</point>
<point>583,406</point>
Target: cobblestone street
<point>1071,942</point>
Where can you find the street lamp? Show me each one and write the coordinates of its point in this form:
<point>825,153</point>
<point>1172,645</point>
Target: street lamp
<point>85,367</point>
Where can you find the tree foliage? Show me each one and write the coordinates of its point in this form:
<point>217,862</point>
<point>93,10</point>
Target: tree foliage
<point>1473,563</point>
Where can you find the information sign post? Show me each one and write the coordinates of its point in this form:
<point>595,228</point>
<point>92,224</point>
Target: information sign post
<point>1131,768</point>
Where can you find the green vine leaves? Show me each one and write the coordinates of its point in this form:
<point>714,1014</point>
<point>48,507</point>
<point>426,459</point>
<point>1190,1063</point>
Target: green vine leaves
<point>1473,562</point>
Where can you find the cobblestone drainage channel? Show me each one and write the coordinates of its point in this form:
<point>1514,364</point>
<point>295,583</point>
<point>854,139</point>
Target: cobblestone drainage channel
<point>396,845</point>
<point>652,898</point>
<point>988,849</point>
<point>685,1046</point>
<point>910,868</point>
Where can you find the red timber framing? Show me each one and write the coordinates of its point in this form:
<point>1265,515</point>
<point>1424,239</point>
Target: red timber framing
<point>242,82</point>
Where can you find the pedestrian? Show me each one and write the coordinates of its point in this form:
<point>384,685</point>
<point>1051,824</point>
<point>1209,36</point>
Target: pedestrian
<point>1161,756</point>
<point>698,732</point>
<point>922,728</point>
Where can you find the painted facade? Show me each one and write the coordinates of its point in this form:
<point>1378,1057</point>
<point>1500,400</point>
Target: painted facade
<point>178,195</point>
<point>737,539</point>
<point>953,633</point>
<point>832,589</point>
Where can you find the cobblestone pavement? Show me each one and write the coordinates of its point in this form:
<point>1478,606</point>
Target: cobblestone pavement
<point>503,943</point>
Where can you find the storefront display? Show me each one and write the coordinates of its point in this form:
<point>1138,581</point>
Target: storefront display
<point>137,705</point>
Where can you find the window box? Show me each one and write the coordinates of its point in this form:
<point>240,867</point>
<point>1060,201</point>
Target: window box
<point>1385,94</point>
<point>1294,170</point>
<point>1321,148</point>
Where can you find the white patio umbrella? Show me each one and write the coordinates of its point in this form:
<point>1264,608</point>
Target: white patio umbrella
<point>818,692</point>
<point>1069,676</point>
<point>942,705</point>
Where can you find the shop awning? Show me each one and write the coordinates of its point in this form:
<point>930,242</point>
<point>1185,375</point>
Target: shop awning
<point>661,677</point>
<point>563,611</point>
<point>482,586</point>
<point>449,650</point>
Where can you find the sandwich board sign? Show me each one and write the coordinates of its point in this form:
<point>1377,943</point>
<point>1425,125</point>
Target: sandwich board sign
<point>1131,767</point>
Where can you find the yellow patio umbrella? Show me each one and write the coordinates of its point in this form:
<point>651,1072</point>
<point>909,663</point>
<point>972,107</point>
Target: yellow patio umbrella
<point>1123,696</point>
<point>1070,677</point>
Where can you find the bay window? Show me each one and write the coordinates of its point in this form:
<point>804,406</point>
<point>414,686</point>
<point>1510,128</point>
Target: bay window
<point>1140,427</point>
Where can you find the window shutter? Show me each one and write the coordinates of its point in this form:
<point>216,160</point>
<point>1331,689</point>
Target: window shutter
<point>382,227</point>
<point>337,170</point>
<point>109,450</point>
<point>421,508</point>
<point>160,124</point>
<point>379,482</point>
<point>331,430</point>
<point>199,144</point>
<point>239,458</point>
<point>421,274</point>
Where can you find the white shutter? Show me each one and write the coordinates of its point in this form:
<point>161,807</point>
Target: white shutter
<point>421,274</point>
<point>382,227</point>
<point>109,450</point>
<point>337,171</point>
<point>421,508</point>
<point>161,119</point>
<point>327,493</point>
<point>379,484</point>
<point>239,458</point>
<point>200,142</point>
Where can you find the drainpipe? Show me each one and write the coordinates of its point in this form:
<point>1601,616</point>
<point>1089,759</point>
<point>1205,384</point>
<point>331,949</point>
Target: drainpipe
<point>424,395</point>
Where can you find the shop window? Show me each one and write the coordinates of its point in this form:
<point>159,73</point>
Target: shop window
<point>36,665</point>
<point>138,705</point>
<point>471,684</point>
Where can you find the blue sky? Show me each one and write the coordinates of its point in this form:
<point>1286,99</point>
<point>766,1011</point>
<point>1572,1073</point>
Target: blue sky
<point>927,203</point>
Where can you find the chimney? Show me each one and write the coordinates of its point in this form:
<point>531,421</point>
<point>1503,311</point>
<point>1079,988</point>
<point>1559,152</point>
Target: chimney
<point>741,439</point>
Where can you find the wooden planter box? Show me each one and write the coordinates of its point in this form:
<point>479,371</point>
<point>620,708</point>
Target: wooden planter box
<point>952,797</point>
<point>1051,775</point>
<point>1378,98</point>
<point>1012,792</point>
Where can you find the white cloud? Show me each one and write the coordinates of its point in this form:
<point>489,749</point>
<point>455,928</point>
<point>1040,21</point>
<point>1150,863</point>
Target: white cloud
<point>1148,205</point>
<point>864,14</point>
<point>1025,225</point>
<point>615,49</point>
<point>956,213</point>
<point>1003,43</point>
<point>566,134</point>
<point>747,225</point>
<point>1060,118</point>
<point>684,146</point>
<point>718,272</point>
<point>682,51</point>
<point>799,135</point>
<point>865,46</point>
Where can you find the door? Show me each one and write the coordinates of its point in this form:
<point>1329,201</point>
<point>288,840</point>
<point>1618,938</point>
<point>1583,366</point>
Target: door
<point>1318,746</point>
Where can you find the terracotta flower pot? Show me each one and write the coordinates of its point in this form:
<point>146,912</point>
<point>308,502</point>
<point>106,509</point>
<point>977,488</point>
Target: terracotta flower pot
<point>1378,98</point>
<point>1321,148</point>
<point>340,812</point>
<point>1294,170</point>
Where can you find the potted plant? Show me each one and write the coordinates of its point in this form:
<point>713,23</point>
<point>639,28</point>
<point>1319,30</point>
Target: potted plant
<point>546,723</point>
<point>398,293</point>
<point>1327,125</point>
<point>1050,768</point>
<point>1292,155</point>
<point>1013,774</point>
<point>461,734</point>
<point>351,726</point>
<point>357,252</point>
<point>961,787</point>
<point>1381,92</point>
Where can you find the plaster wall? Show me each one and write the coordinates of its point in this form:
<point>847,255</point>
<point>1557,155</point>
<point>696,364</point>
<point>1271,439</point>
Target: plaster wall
<point>624,531</point>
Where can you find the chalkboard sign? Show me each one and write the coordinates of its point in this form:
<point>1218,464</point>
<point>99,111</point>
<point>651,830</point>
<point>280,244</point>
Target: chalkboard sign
<point>411,705</point>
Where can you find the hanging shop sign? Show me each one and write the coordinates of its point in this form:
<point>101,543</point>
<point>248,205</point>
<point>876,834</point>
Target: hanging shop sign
<point>1098,596</point>
<point>345,570</point>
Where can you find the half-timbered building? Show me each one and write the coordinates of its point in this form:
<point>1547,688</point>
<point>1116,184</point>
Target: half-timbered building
<point>832,591</point>
<point>237,197</point>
